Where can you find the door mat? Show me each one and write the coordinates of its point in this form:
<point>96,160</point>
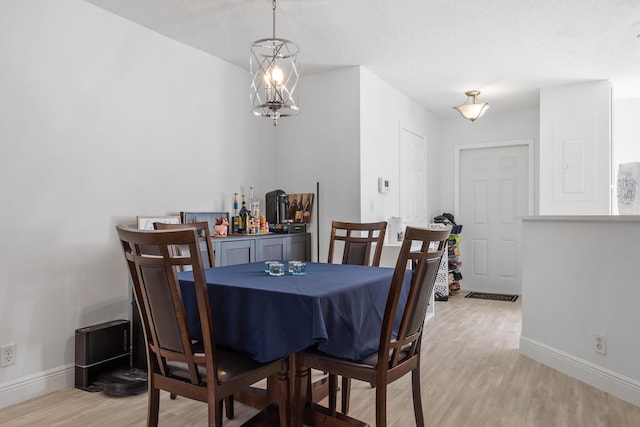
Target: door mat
<point>497,297</point>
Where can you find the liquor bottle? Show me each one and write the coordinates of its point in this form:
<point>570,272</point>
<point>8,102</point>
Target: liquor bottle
<point>235,204</point>
<point>244,217</point>
<point>254,205</point>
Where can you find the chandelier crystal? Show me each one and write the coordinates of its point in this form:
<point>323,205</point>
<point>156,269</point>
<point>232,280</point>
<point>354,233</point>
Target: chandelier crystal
<point>274,76</point>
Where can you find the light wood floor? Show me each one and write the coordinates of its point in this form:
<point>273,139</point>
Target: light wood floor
<point>472,376</point>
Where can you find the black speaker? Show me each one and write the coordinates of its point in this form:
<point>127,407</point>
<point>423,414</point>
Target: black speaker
<point>99,349</point>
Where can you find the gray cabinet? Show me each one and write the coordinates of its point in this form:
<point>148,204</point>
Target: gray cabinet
<point>271,249</point>
<point>299,247</point>
<point>240,249</point>
<point>236,252</point>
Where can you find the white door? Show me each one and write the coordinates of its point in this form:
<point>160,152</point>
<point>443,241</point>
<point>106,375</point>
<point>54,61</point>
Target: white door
<point>413,181</point>
<point>494,193</point>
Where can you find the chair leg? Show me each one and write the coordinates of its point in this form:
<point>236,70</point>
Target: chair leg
<point>346,394</point>
<point>309,385</point>
<point>153,406</point>
<point>381,405</point>
<point>417,396</point>
<point>228,402</point>
<point>333,393</point>
<point>215,413</point>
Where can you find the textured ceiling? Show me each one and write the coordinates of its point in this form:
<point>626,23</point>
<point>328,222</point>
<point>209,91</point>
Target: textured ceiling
<point>431,50</point>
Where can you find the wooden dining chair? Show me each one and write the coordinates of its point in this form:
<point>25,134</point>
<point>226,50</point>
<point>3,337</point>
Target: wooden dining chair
<point>196,370</point>
<point>204,236</point>
<point>358,241</point>
<point>203,233</point>
<point>398,353</point>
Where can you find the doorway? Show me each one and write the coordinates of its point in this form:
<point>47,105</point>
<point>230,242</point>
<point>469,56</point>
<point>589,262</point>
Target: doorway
<point>494,190</point>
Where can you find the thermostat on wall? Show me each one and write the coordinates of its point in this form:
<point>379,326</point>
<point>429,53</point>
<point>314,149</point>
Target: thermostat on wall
<point>383,185</point>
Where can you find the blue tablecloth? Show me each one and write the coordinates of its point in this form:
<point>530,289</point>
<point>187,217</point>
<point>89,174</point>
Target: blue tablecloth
<point>339,307</point>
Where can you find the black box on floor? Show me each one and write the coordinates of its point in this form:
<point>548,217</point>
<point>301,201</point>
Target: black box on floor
<point>99,349</point>
<point>138,344</point>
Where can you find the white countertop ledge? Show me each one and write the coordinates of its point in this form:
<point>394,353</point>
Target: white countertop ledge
<point>585,218</point>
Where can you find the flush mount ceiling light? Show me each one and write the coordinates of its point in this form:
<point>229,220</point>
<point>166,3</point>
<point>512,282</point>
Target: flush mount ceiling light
<point>274,76</point>
<point>472,109</point>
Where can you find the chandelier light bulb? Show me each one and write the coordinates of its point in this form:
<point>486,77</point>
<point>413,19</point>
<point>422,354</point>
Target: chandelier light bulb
<point>277,76</point>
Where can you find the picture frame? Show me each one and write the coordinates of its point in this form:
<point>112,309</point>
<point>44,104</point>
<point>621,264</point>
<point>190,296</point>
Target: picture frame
<point>146,222</point>
<point>210,217</point>
<point>299,208</point>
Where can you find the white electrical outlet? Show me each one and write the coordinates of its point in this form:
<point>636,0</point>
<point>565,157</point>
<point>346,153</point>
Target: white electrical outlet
<point>7,355</point>
<point>600,345</point>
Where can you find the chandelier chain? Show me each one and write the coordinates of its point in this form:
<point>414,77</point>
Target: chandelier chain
<point>274,18</point>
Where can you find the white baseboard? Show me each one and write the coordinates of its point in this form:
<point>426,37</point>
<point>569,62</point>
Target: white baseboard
<point>35,385</point>
<point>604,379</point>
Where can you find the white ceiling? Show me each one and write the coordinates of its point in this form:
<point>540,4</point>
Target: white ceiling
<point>431,50</point>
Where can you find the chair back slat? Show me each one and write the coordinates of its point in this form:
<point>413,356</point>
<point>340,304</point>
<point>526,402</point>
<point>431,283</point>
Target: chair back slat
<point>425,270</point>
<point>356,253</point>
<point>161,304</point>
<point>204,239</point>
<point>425,262</point>
<point>358,240</point>
<point>154,263</point>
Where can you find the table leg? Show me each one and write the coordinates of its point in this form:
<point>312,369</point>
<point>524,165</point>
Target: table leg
<point>300,385</point>
<point>282,392</point>
<point>278,393</point>
<point>307,412</point>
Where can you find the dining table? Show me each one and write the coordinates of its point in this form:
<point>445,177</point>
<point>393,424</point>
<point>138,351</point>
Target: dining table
<point>335,308</point>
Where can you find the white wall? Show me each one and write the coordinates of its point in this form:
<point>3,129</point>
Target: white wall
<point>102,120</point>
<point>347,135</point>
<point>322,144</point>
<point>492,127</point>
<point>588,286</point>
<point>383,112</point>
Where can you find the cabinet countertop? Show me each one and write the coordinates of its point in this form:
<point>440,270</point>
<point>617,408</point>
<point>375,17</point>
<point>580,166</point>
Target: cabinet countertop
<point>593,218</point>
<point>255,236</point>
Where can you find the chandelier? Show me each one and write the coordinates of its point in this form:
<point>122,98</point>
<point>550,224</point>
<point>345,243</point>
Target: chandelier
<point>274,76</point>
<point>472,109</point>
